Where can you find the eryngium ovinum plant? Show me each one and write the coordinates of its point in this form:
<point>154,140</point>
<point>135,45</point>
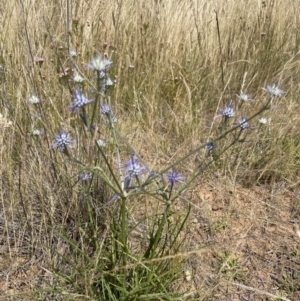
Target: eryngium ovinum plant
<point>102,263</point>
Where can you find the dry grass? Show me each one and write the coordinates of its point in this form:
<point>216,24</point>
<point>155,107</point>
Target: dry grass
<point>173,76</point>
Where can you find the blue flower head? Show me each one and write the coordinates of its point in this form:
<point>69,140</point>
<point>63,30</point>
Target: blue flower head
<point>105,109</point>
<point>133,167</point>
<point>62,140</point>
<point>243,123</point>
<point>274,90</point>
<point>77,78</point>
<point>102,75</point>
<point>264,121</point>
<point>133,170</point>
<point>210,146</point>
<point>34,99</point>
<point>228,111</point>
<point>174,177</point>
<point>99,63</point>
<point>79,101</point>
<point>244,97</point>
<point>106,83</point>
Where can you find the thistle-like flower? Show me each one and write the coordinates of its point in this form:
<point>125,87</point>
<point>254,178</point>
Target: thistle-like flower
<point>79,101</point>
<point>243,123</point>
<point>227,112</point>
<point>244,97</point>
<point>274,90</point>
<point>99,64</point>
<point>73,52</point>
<point>102,74</point>
<point>101,143</point>
<point>34,99</point>
<point>263,120</point>
<point>174,177</point>
<point>210,146</point>
<point>105,109</point>
<point>62,140</point>
<point>133,167</point>
<point>133,170</point>
<point>106,84</point>
<point>77,78</point>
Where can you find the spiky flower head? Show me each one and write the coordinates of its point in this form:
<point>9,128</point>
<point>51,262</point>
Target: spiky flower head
<point>274,90</point>
<point>62,140</point>
<point>105,109</point>
<point>263,120</point>
<point>99,63</point>
<point>210,146</point>
<point>106,83</point>
<point>34,99</point>
<point>228,111</point>
<point>133,167</point>
<point>102,74</point>
<point>73,52</point>
<point>174,177</point>
<point>243,123</point>
<point>79,100</point>
<point>101,143</point>
<point>77,78</point>
<point>244,97</point>
<point>133,170</point>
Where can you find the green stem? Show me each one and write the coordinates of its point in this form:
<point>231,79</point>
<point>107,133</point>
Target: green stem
<point>110,169</point>
<point>112,127</point>
<point>150,252</point>
<point>124,229</point>
<point>96,100</point>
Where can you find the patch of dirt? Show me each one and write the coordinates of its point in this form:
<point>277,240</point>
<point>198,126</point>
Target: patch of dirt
<point>254,246</point>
